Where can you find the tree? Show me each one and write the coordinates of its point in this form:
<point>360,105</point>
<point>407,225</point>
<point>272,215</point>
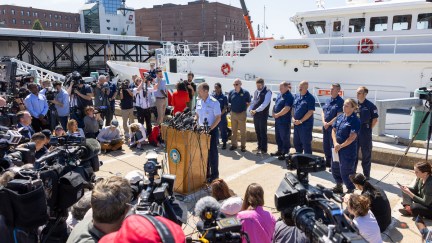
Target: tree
<point>37,25</point>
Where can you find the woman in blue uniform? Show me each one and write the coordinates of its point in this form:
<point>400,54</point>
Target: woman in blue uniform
<point>344,135</point>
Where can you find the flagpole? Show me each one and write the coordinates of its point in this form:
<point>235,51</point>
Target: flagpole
<point>265,26</point>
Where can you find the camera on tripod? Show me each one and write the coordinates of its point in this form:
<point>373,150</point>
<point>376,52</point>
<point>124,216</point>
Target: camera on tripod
<point>156,196</point>
<point>426,94</point>
<point>314,209</point>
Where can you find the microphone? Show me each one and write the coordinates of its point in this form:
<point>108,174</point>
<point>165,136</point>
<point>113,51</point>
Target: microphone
<point>207,208</point>
<point>329,194</point>
<point>90,150</point>
<point>186,110</point>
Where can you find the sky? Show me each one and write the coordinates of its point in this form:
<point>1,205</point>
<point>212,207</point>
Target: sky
<point>277,12</point>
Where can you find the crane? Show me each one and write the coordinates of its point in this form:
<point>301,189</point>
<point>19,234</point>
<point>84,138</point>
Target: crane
<point>255,41</point>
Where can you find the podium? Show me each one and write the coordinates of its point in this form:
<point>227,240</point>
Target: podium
<point>187,158</point>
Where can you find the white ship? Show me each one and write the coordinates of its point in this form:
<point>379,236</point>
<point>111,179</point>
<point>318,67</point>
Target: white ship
<point>385,46</point>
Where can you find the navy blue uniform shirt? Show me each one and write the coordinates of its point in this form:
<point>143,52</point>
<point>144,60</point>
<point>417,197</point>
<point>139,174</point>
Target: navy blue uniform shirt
<point>345,125</point>
<point>332,107</point>
<point>283,100</point>
<point>223,100</point>
<point>303,104</point>
<point>239,100</point>
<point>367,112</point>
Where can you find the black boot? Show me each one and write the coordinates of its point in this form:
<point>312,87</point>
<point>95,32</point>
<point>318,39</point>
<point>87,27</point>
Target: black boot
<point>338,188</point>
<point>224,145</point>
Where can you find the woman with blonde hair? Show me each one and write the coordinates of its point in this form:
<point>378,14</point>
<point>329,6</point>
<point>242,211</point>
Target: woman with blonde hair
<point>230,203</point>
<point>72,129</point>
<point>256,222</point>
<point>138,135</point>
<point>344,135</point>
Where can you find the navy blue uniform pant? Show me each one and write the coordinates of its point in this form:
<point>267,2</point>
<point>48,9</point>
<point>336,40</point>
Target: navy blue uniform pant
<point>327,144</point>
<point>260,123</point>
<point>223,128</point>
<point>283,133</point>
<point>345,167</point>
<point>365,146</point>
<point>213,156</point>
<point>303,138</point>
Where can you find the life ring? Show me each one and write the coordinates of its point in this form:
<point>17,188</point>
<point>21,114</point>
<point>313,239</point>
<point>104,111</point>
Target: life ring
<point>365,45</point>
<point>225,69</point>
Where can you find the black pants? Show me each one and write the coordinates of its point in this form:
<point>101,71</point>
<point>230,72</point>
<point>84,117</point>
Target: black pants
<point>213,156</point>
<point>145,115</point>
<point>417,208</point>
<point>260,123</point>
<point>37,125</point>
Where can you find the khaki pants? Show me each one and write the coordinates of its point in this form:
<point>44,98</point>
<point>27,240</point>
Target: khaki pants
<point>107,146</point>
<point>161,107</point>
<point>127,114</point>
<point>238,122</point>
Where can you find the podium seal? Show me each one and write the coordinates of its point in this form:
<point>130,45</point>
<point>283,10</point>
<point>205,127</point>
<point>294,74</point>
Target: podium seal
<point>175,156</point>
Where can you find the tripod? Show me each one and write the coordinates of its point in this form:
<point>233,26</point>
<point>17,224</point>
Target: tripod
<point>52,116</point>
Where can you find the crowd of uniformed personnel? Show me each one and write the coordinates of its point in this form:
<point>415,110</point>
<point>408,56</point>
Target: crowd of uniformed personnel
<point>347,124</point>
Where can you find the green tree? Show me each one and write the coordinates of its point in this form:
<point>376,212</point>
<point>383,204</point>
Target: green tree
<point>37,25</point>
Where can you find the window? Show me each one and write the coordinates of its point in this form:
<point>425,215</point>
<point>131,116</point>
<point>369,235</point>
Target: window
<point>50,24</point>
<point>13,21</point>
<point>316,27</point>
<point>56,24</point>
<point>424,21</point>
<point>50,16</point>
<point>35,14</point>
<point>28,13</point>
<point>29,22</point>
<point>46,24</point>
<point>61,25</point>
<point>55,16</point>
<point>337,26</point>
<point>378,23</point>
<point>22,21</point>
<point>60,16</point>
<point>22,12</point>
<point>402,22</point>
<point>357,25</point>
<point>13,11</point>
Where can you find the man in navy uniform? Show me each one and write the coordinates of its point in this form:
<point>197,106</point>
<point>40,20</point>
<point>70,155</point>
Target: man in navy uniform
<point>332,107</point>
<point>368,114</point>
<point>303,109</point>
<point>223,124</point>
<point>259,109</point>
<point>208,110</point>
<point>282,116</point>
<point>239,99</point>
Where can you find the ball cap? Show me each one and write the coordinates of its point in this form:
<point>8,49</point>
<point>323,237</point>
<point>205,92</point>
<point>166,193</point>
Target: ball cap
<point>114,123</point>
<point>137,229</point>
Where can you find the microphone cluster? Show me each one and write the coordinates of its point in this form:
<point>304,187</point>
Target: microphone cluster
<point>184,121</point>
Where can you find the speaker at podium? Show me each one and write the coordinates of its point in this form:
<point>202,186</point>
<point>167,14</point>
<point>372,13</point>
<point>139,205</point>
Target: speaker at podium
<point>187,158</point>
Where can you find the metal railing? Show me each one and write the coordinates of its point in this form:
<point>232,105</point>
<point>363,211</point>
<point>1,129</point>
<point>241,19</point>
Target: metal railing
<point>42,73</point>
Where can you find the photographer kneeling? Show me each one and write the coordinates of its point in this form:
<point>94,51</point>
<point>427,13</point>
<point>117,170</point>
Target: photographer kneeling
<point>286,231</point>
<point>109,204</point>
<point>109,138</point>
<point>138,137</point>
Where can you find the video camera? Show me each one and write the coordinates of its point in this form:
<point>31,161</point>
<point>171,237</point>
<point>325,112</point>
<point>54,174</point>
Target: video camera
<point>156,196</point>
<point>51,93</point>
<point>214,226</point>
<point>312,209</point>
<point>74,77</point>
<point>425,96</point>
<point>123,84</point>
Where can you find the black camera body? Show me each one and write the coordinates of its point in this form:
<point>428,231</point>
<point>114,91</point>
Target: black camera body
<point>427,96</point>
<point>51,93</point>
<point>123,84</point>
<point>320,218</point>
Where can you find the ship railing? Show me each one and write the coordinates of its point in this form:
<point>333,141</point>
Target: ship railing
<point>383,43</point>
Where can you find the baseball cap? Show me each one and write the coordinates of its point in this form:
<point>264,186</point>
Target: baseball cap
<point>114,123</point>
<point>58,128</point>
<point>137,229</point>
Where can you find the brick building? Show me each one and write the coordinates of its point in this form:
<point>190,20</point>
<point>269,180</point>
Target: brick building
<point>194,22</point>
<point>24,17</point>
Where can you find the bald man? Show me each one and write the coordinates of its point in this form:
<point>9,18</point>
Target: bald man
<point>303,109</point>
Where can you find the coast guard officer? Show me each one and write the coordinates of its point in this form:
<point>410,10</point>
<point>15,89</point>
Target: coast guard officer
<point>223,124</point>
<point>303,109</point>
<point>368,114</point>
<point>282,116</point>
<point>208,110</point>
<point>332,108</point>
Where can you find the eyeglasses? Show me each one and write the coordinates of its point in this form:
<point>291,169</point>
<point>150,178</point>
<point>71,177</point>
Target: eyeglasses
<point>236,84</point>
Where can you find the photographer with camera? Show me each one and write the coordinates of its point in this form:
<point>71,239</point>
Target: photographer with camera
<point>191,88</point>
<point>60,98</point>
<point>80,97</point>
<point>103,97</point>
<point>286,230</point>
<point>37,106</point>
<point>126,106</point>
<point>109,204</point>
<point>143,94</point>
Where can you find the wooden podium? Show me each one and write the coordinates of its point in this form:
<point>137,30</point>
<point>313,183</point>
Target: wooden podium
<point>187,158</point>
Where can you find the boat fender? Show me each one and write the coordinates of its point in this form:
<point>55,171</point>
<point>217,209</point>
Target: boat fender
<point>225,69</point>
<point>365,45</point>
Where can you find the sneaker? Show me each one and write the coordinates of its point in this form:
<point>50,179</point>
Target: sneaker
<point>233,148</point>
<point>264,152</point>
<point>278,153</point>
<point>338,188</point>
<point>224,146</point>
<point>406,211</point>
<point>243,149</point>
<point>258,152</point>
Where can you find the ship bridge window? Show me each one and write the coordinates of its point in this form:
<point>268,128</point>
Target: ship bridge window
<point>378,23</point>
<point>316,27</point>
<point>402,22</point>
<point>300,29</point>
<point>357,25</point>
<point>424,21</point>
<point>337,26</point>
